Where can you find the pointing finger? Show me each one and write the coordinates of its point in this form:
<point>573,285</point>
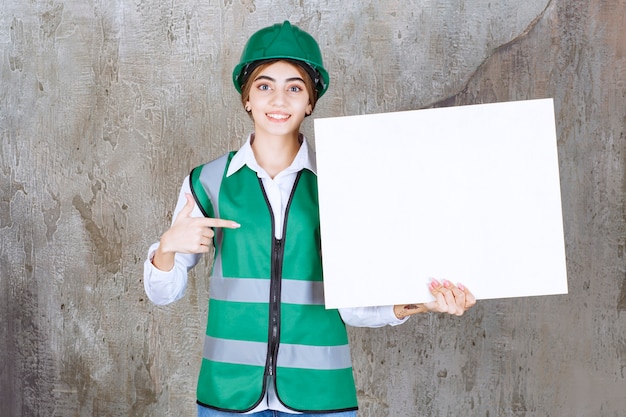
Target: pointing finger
<point>210,222</point>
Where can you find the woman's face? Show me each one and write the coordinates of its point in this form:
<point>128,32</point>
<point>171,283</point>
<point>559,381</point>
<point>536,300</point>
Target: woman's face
<point>278,100</point>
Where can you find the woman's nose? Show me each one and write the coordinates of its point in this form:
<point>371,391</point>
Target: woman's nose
<point>278,97</point>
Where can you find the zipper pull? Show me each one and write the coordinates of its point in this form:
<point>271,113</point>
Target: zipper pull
<point>271,367</point>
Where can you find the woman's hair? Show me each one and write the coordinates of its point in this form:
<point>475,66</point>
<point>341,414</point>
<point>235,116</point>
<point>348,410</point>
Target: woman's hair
<point>308,82</point>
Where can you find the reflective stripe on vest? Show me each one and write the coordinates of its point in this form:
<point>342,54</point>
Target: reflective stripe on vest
<point>250,290</point>
<point>291,356</point>
<point>313,370</point>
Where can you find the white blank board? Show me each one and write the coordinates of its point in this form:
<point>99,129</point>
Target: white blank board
<point>470,194</point>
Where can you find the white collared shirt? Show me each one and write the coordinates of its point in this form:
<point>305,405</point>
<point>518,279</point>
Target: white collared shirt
<point>164,287</point>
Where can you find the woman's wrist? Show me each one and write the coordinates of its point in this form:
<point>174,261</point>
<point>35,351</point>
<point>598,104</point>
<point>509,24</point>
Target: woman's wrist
<point>163,260</point>
<point>399,312</point>
<point>403,311</point>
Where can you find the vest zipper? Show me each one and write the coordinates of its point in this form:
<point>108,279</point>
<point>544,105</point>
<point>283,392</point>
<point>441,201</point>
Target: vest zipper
<point>275,287</point>
<point>278,249</point>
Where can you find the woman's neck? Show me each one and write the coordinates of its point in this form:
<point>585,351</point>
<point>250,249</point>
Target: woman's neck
<point>274,154</point>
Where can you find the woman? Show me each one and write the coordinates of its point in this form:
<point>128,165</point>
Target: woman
<point>271,348</point>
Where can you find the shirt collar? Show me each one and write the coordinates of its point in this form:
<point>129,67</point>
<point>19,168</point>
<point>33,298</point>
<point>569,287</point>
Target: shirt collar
<point>305,159</point>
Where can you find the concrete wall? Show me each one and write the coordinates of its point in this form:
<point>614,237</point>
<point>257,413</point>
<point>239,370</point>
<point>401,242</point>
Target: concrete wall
<point>106,105</point>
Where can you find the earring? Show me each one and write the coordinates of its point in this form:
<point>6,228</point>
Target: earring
<point>248,109</point>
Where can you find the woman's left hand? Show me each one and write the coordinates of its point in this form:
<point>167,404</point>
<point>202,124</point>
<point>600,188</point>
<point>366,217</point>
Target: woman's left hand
<point>449,298</point>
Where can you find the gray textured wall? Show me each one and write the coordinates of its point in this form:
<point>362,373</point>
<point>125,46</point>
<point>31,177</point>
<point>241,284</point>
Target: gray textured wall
<point>106,105</point>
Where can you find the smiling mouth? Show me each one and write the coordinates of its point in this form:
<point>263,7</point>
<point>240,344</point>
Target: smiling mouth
<point>278,116</point>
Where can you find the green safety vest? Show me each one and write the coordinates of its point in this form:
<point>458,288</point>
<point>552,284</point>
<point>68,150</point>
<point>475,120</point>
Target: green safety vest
<point>267,320</point>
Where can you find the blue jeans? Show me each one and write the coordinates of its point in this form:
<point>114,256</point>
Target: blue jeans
<point>209,412</point>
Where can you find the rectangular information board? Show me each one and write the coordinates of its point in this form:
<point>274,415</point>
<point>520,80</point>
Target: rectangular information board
<point>469,193</point>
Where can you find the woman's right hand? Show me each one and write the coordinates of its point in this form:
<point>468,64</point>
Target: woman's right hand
<point>187,235</point>
<point>448,298</point>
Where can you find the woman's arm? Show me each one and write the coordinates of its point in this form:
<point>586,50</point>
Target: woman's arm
<point>166,286</point>
<point>448,298</point>
<point>180,247</point>
<point>370,316</point>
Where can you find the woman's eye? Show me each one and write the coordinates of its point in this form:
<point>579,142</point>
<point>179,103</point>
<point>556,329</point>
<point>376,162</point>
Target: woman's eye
<point>263,87</point>
<point>295,89</point>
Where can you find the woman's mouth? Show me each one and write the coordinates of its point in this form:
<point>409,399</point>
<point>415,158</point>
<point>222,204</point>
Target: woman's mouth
<point>276,116</point>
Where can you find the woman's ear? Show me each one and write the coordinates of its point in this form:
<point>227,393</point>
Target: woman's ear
<point>247,106</point>
<point>309,109</point>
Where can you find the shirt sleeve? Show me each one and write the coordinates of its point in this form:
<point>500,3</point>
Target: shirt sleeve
<point>165,287</point>
<point>370,316</point>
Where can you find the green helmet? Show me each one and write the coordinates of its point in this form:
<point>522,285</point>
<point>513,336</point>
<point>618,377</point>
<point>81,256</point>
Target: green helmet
<point>282,41</point>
